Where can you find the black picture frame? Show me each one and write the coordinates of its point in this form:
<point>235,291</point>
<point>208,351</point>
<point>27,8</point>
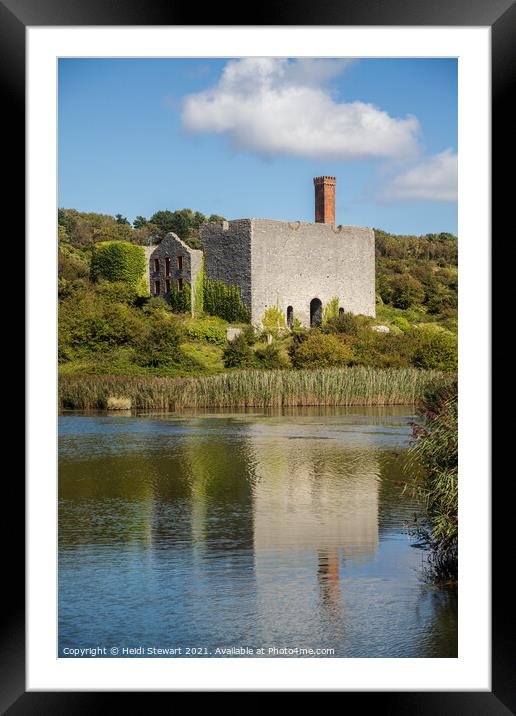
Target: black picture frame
<point>500,15</point>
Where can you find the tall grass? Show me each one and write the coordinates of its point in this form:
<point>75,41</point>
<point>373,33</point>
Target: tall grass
<point>436,449</point>
<point>356,385</point>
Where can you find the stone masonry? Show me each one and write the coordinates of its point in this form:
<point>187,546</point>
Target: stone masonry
<point>172,263</point>
<point>288,264</point>
<point>296,266</point>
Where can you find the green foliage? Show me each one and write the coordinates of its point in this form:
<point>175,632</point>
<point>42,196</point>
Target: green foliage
<point>160,345</point>
<point>435,349</point>
<point>406,291</point>
<point>430,247</point>
<point>117,292</point>
<point>271,357</point>
<point>156,304</point>
<point>274,322</point>
<point>181,301</point>
<point>436,449</point>
<point>212,330</point>
<point>224,301</point>
<point>319,350</point>
<point>401,323</point>
<point>346,323</point>
<point>183,222</point>
<point>117,261</point>
<point>238,354</point>
<point>331,310</point>
<point>249,334</point>
<point>198,292</point>
<point>431,260</point>
<point>440,298</point>
<point>90,322</point>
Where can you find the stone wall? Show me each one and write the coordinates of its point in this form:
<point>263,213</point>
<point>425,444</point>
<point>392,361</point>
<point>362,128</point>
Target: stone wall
<point>171,246</point>
<point>294,262</point>
<point>280,263</point>
<point>227,251</point>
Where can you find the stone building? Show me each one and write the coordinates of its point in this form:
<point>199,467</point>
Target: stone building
<point>296,266</point>
<point>172,263</point>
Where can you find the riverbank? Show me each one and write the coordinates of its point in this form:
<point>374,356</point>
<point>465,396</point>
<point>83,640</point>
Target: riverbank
<point>352,386</point>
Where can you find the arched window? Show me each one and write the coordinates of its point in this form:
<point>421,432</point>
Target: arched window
<point>315,312</point>
<point>290,316</point>
<point>341,311</point>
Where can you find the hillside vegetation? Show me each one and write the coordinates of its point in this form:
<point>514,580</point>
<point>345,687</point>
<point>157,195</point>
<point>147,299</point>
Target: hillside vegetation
<point>109,326</point>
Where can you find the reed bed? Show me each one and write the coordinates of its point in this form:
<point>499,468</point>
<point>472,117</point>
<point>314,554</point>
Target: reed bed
<point>353,386</point>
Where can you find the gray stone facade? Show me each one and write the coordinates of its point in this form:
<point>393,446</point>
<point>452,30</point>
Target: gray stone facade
<point>172,263</point>
<point>289,264</point>
<point>227,252</point>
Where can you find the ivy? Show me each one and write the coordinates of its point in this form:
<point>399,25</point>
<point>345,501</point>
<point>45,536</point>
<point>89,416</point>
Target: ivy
<point>331,311</point>
<point>117,261</point>
<point>225,301</point>
<point>198,293</point>
<point>181,301</point>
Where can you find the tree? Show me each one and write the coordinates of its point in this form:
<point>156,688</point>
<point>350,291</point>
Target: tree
<point>140,222</point>
<point>406,291</point>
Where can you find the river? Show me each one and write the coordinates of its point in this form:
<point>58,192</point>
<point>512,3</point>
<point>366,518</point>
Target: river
<point>243,533</point>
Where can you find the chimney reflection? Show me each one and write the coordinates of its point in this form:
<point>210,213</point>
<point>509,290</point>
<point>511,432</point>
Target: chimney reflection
<point>328,577</point>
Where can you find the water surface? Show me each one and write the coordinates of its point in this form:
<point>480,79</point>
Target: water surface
<point>242,531</point>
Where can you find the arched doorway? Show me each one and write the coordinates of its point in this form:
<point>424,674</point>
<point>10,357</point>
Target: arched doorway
<point>290,316</point>
<point>341,311</point>
<point>315,312</point>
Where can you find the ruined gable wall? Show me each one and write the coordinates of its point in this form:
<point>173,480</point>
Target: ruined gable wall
<point>172,246</point>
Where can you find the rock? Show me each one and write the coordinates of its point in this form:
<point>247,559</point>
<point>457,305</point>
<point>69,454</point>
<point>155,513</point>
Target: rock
<point>233,333</point>
<point>381,329</point>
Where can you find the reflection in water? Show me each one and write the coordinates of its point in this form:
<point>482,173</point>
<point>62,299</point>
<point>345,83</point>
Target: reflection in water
<point>243,530</point>
<point>328,577</point>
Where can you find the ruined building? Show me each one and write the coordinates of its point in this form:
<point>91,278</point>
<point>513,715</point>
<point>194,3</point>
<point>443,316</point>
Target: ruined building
<point>296,266</point>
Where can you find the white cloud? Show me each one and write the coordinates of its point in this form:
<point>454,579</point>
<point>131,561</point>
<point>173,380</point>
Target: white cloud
<point>432,179</point>
<point>276,106</point>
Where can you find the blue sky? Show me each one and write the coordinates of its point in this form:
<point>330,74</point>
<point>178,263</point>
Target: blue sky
<point>244,138</point>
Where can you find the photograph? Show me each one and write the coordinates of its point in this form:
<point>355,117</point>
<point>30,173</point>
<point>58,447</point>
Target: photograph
<point>257,306</point>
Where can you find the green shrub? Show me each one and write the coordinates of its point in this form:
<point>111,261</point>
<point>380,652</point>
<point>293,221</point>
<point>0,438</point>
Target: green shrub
<point>319,350</point>
<point>271,357</point>
<point>346,323</point>
<point>406,291</point>
<point>274,321</point>
<point>440,298</point>
<point>160,346</point>
<point>249,333</point>
<point>89,323</point>
<point>156,304</point>
<point>436,350</point>
<point>238,354</point>
<point>224,301</point>
<point>401,323</point>
<point>117,292</point>
<point>212,330</point>
<point>117,261</point>
<point>331,310</point>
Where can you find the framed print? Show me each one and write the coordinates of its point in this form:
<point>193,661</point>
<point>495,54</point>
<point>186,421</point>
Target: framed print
<point>255,485</point>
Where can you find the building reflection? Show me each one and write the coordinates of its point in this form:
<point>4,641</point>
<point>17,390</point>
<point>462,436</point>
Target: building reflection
<point>315,513</point>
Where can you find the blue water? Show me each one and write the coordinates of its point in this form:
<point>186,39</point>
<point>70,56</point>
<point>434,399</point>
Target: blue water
<point>231,532</point>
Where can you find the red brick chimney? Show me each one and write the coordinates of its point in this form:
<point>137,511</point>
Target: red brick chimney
<point>325,200</point>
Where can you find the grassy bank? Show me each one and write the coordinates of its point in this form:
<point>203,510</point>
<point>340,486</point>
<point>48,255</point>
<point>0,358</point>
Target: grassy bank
<point>358,385</point>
